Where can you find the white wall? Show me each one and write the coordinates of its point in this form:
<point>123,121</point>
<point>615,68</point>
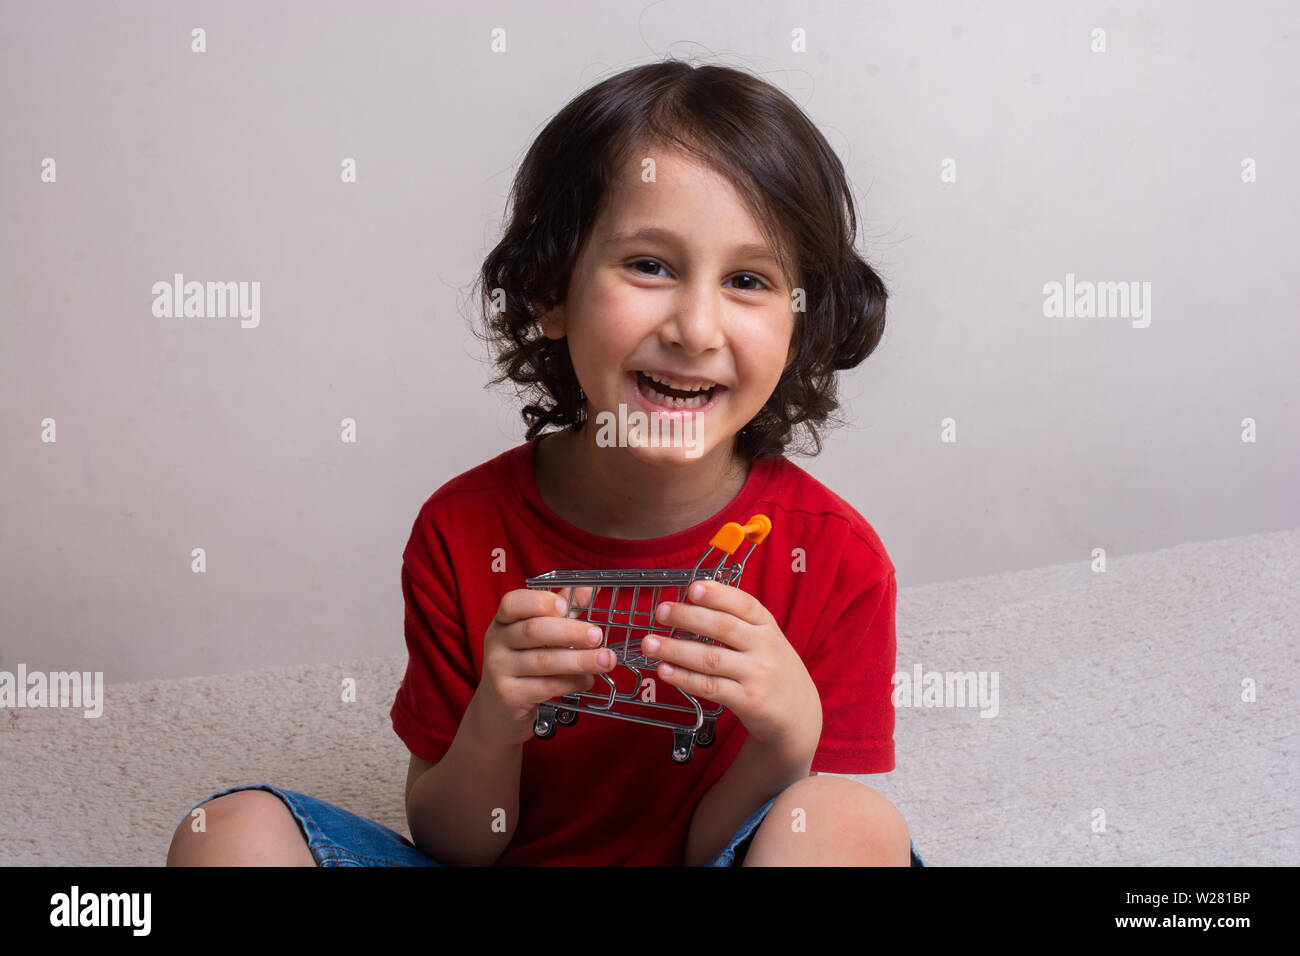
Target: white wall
<point>1073,433</point>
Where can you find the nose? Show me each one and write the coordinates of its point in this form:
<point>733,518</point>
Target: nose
<point>695,324</point>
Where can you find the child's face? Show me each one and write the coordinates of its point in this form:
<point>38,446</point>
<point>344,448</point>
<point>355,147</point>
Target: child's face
<point>700,308</point>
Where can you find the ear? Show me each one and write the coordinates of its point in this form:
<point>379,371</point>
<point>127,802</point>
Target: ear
<point>553,322</point>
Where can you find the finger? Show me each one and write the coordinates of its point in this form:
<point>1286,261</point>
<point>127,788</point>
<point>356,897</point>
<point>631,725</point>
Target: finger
<point>555,661</point>
<point>523,603</point>
<point>710,687</point>
<point>580,608</point>
<point>697,656</point>
<point>579,599</point>
<point>725,597</point>
<point>552,631</point>
<point>561,686</point>
<point>707,622</point>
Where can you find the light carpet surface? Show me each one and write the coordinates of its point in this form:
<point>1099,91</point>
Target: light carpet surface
<point>1121,735</point>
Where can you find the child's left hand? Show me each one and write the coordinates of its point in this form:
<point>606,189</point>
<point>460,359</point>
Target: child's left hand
<point>758,676</point>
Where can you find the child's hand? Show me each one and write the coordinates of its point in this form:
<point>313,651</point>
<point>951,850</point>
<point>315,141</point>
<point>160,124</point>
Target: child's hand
<point>533,651</point>
<point>758,676</point>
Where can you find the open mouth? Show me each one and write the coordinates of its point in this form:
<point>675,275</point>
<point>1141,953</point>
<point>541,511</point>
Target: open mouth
<point>661,397</point>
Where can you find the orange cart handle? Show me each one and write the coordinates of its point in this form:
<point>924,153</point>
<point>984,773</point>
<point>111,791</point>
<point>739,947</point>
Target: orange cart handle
<point>731,534</point>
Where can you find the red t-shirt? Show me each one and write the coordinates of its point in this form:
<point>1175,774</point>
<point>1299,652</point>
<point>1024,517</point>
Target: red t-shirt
<point>605,791</point>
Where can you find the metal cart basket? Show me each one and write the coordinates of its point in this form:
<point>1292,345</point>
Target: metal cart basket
<point>622,604</point>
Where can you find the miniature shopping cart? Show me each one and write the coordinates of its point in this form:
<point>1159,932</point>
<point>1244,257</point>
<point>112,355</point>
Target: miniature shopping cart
<point>622,604</point>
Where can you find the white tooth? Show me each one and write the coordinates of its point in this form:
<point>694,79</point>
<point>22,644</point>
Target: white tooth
<point>671,384</point>
<point>677,403</point>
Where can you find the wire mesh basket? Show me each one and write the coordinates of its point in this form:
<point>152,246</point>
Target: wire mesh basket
<point>622,604</point>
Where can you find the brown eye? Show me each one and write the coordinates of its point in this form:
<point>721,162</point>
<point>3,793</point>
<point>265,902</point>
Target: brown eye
<point>639,262</point>
<point>761,283</point>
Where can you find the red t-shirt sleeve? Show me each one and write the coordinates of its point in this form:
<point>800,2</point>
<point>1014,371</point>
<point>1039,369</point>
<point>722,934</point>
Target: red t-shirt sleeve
<point>853,668</point>
<point>440,671</point>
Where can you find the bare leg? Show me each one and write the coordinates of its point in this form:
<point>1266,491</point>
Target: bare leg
<point>846,824</point>
<point>244,828</point>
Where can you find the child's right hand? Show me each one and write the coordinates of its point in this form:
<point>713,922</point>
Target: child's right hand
<point>532,652</point>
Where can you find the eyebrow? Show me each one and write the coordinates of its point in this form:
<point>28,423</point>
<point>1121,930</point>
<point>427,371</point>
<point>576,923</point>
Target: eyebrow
<point>654,234</point>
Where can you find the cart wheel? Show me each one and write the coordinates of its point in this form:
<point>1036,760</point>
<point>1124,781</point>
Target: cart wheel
<point>543,728</point>
<point>567,717</point>
<point>705,738</point>
<point>683,745</point>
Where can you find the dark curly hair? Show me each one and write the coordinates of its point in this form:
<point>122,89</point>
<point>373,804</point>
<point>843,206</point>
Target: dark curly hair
<point>779,163</point>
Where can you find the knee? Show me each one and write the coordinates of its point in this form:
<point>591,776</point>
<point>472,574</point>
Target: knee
<point>244,828</point>
<point>850,816</point>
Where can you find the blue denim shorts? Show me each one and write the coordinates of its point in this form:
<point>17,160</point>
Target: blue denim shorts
<point>337,837</point>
